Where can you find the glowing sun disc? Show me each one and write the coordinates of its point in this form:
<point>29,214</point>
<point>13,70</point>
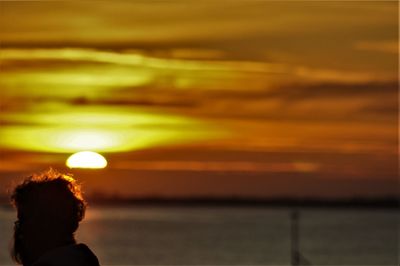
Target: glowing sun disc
<point>86,159</point>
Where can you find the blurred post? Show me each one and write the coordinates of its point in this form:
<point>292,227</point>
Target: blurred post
<point>294,235</point>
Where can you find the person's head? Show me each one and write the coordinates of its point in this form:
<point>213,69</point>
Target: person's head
<point>50,207</point>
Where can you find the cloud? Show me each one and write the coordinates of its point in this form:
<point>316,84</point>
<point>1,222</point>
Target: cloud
<point>220,166</point>
<point>157,102</point>
<point>118,69</point>
<point>390,47</point>
<point>335,90</point>
<point>343,76</point>
<point>137,59</point>
<point>210,89</point>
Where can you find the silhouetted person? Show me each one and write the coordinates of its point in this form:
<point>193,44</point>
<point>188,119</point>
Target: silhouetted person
<point>50,207</point>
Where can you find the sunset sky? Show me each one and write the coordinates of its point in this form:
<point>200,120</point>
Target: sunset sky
<point>203,98</point>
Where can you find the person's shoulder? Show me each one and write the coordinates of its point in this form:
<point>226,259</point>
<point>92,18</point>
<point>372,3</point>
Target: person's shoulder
<point>76,254</point>
<point>88,254</point>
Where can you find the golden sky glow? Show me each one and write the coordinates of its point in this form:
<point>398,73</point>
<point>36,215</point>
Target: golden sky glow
<point>99,129</point>
<point>303,90</point>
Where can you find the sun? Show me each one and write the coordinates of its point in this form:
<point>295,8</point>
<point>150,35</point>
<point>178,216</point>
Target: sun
<point>86,159</point>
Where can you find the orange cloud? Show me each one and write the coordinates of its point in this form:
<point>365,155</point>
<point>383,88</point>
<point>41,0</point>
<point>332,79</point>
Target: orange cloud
<point>220,166</point>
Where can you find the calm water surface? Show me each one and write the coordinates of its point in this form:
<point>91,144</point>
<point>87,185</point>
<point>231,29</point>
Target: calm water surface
<point>231,236</point>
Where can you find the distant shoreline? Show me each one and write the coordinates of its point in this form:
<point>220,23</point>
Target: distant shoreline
<point>383,202</point>
<point>249,202</point>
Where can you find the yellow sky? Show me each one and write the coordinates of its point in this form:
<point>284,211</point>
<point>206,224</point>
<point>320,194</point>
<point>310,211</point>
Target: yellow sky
<point>278,98</point>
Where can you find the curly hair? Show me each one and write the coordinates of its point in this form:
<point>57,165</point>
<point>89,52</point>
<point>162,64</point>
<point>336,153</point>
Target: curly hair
<point>50,206</point>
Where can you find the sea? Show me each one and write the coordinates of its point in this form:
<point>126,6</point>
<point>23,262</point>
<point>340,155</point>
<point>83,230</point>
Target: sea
<point>154,235</point>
